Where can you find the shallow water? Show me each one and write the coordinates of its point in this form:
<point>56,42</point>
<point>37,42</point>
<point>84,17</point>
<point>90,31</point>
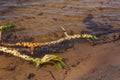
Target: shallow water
<point>46,15</point>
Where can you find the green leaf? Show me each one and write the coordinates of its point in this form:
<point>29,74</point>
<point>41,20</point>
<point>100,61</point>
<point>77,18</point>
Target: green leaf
<point>58,65</point>
<point>53,59</point>
<point>7,27</point>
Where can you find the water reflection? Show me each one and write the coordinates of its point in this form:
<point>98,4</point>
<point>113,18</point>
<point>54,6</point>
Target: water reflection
<point>68,12</point>
<point>83,5</point>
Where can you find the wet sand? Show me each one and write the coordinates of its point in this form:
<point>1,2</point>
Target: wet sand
<point>40,21</point>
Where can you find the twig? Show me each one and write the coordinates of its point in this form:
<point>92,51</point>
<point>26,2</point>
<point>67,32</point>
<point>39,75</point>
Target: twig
<point>51,74</point>
<point>65,32</point>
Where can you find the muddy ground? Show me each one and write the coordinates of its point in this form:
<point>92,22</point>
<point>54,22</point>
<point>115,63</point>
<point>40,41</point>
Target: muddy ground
<point>40,21</point>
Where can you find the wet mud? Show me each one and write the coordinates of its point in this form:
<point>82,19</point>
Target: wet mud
<point>41,21</point>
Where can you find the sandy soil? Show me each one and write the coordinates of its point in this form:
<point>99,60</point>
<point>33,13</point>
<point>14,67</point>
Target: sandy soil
<point>41,21</point>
